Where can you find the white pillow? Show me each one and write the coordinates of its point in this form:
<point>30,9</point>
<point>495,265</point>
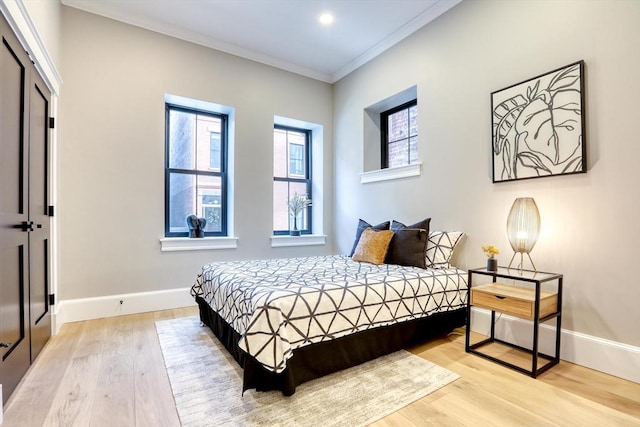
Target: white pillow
<point>440,247</point>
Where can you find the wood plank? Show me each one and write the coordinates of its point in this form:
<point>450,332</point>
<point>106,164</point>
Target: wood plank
<point>615,393</point>
<point>73,402</point>
<point>115,386</point>
<point>421,413</point>
<point>151,378</point>
<point>473,406</point>
<point>40,386</point>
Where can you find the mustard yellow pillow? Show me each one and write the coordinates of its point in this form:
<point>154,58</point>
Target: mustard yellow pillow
<point>372,246</point>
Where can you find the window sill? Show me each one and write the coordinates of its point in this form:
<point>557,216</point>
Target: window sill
<point>304,240</point>
<point>388,174</point>
<point>173,244</point>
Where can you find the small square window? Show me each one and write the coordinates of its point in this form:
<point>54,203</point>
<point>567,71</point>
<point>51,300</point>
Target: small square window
<point>399,142</point>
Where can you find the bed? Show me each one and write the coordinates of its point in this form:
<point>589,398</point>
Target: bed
<point>287,321</point>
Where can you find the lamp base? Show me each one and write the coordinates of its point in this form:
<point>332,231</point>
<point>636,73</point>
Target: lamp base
<point>521,265</point>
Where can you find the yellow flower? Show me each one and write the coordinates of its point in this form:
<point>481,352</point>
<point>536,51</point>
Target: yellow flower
<point>490,250</point>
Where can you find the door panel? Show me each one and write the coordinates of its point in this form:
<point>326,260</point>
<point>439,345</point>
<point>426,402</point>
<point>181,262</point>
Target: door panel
<point>40,318</point>
<point>14,333</point>
<point>14,242</point>
<point>11,93</point>
<point>12,292</point>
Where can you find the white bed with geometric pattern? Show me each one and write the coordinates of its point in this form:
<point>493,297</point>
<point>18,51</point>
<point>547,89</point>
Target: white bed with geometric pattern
<point>275,308</point>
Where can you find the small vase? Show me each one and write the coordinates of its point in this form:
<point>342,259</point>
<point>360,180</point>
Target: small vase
<point>492,264</point>
<point>295,231</point>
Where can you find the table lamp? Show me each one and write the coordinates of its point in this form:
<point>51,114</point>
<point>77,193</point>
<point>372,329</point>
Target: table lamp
<point>523,228</point>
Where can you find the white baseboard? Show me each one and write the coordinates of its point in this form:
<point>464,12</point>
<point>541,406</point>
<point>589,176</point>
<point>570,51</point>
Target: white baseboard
<point>610,357</point>
<point>75,310</point>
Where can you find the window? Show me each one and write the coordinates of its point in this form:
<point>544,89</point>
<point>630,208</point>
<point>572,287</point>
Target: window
<point>291,175</point>
<point>195,170</point>
<point>399,127</point>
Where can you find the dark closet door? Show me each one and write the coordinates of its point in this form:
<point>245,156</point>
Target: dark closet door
<point>39,241</point>
<point>25,320</point>
<point>14,212</point>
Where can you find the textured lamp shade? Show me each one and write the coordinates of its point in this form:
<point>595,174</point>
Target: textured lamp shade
<point>523,226</point>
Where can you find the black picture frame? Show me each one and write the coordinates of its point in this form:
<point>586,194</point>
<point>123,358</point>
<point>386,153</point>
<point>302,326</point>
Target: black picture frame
<point>538,126</point>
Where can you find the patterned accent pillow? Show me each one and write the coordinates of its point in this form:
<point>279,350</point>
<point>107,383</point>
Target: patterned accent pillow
<point>362,224</point>
<point>372,246</point>
<point>440,247</point>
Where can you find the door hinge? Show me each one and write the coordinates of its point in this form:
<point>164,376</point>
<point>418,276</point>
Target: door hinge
<point>50,211</point>
<point>52,123</point>
<point>52,299</point>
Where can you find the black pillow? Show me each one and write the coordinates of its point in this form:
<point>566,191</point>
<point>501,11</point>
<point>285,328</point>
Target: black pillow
<point>424,224</point>
<point>409,244</point>
<point>362,224</point>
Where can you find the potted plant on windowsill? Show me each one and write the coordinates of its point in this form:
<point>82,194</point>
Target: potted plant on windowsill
<point>297,204</point>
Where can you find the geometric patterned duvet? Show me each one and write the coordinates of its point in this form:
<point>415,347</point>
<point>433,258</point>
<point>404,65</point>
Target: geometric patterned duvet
<point>279,305</point>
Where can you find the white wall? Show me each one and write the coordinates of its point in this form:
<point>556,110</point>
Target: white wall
<point>590,226</point>
<point>111,153</point>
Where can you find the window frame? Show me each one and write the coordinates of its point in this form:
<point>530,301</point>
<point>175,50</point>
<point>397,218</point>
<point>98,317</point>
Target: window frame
<point>308,180</point>
<point>384,131</point>
<point>223,173</point>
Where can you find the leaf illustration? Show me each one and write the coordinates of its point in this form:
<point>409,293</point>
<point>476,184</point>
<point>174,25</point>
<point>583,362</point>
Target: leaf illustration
<point>574,165</point>
<point>568,99</point>
<point>567,124</point>
<point>565,78</point>
<point>544,96</point>
<point>532,92</point>
<point>551,128</point>
<point>506,113</point>
<point>507,171</point>
<point>534,161</point>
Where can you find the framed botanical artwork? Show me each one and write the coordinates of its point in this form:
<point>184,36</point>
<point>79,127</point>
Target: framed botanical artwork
<point>538,126</point>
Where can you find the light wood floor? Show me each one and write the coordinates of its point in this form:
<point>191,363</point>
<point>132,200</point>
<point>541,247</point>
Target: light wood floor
<point>110,372</point>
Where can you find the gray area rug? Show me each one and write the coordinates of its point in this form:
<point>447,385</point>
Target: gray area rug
<point>207,386</point>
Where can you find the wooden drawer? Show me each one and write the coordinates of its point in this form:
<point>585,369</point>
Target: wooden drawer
<point>515,300</point>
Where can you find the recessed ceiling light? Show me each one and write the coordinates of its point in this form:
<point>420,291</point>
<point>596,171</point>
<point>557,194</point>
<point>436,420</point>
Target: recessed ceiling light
<point>326,19</point>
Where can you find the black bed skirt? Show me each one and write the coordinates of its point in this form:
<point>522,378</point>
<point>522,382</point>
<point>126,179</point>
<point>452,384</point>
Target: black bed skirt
<point>320,359</point>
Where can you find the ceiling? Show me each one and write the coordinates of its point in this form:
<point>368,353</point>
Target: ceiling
<point>282,33</point>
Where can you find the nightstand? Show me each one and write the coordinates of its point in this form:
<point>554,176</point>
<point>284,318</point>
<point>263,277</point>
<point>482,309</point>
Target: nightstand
<point>516,293</point>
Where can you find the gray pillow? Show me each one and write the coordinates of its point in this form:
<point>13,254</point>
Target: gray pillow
<point>362,224</point>
<point>409,244</point>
